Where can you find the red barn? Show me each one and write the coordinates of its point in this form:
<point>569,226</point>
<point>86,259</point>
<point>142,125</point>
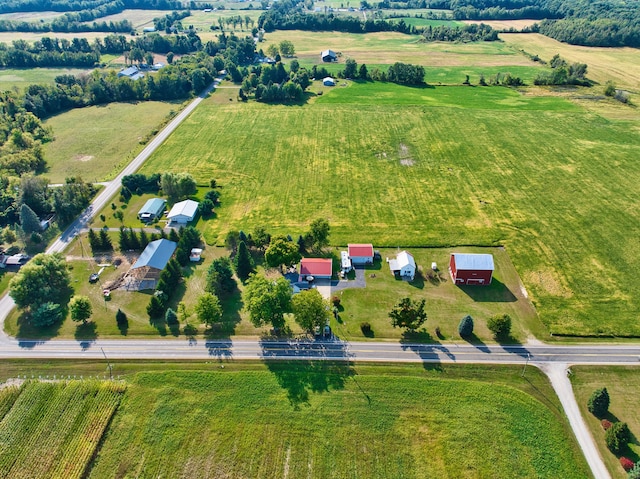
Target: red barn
<point>466,268</point>
<point>316,267</point>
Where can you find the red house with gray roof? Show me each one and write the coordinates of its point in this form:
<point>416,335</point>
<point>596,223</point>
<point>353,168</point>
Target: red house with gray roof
<point>319,268</point>
<point>468,269</point>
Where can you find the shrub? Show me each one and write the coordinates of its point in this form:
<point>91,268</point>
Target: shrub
<point>598,403</point>
<point>335,301</point>
<point>606,424</point>
<point>500,325</point>
<point>617,437</point>
<point>465,328</point>
<point>634,473</point>
<point>365,327</point>
<point>626,463</point>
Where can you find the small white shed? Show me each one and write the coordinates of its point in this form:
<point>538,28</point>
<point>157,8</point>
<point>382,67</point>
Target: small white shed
<point>404,265</point>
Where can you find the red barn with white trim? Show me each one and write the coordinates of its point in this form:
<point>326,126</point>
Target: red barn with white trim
<point>468,269</point>
<point>321,268</point>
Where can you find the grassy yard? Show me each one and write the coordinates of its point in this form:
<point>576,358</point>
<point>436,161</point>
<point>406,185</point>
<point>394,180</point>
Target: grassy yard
<point>96,142</point>
<point>446,303</point>
<point>624,390</point>
<point>400,166</point>
<point>319,419</point>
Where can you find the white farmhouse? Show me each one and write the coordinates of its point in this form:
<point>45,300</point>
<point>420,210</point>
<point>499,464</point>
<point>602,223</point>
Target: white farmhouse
<point>404,265</point>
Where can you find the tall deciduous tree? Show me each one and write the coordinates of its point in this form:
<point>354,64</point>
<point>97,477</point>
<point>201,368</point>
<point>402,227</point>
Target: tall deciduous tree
<point>598,403</point>
<point>319,232</point>
<point>80,308</point>
<point>408,314</point>
<point>208,309</point>
<point>500,325</point>
<point>286,48</point>
<point>43,279</point>
<point>280,252</point>
<point>267,301</point>
<point>310,309</point>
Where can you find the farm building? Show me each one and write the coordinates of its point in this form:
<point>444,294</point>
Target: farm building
<point>328,81</point>
<point>13,261</point>
<point>404,265</point>
<point>152,209</point>
<point>361,253</point>
<point>317,268</point>
<point>183,212</point>
<point>466,268</point>
<point>329,56</point>
<point>145,272</point>
<point>132,72</point>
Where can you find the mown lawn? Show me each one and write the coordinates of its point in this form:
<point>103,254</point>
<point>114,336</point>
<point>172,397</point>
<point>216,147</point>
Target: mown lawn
<point>320,419</point>
<point>23,77</point>
<point>624,390</point>
<point>445,166</point>
<point>98,141</point>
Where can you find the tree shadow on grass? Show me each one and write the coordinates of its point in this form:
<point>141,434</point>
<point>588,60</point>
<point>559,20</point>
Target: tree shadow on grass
<point>496,292</point>
<point>300,378</point>
<point>86,333</point>
<point>123,327</point>
<point>28,331</point>
<point>160,324</point>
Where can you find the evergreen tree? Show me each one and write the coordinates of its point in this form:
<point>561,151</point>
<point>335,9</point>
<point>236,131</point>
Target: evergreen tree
<point>105,241</point>
<point>134,242</point>
<point>29,220</point>
<point>598,404</point>
<point>94,241</point>
<point>155,308</point>
<point>171,317</point>
<point>174,236</point>
<point>123,241</point>
<point>243,262</point>
<point>465,328</point>
<point>144,239</point>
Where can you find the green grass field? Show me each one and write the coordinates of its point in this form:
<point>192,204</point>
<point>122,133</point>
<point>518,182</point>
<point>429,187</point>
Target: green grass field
<point>331,420</point>
<point>96,142</point>
<point>624,391</point>
<point>400,166</point>
<point>53,429</point>
<point>23,77</point>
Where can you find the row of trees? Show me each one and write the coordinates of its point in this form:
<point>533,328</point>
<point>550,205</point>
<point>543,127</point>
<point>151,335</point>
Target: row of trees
<point>563,73</point>
<point>10,6</point>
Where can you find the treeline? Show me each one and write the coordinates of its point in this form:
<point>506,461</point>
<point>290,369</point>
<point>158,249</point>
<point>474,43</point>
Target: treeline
<point>601,32</point>
<point>563,73</point>
<point>12,6</point>
<point>180,80</point>
<point>467,33</point>
<point>50,52</point>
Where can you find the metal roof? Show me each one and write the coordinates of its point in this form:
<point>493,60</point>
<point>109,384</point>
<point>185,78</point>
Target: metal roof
<point>156,255</point>
<point>328,53</point>
<point>360,250</point>
<point>405,259</point>
<point>154,206</point>
<point>466,261</point>
<point>186,208</point>
<point>316,266</point>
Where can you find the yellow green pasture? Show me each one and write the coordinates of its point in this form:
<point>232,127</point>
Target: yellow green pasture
<point>11,78</point>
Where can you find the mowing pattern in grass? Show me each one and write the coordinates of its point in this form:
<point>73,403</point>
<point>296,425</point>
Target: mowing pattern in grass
<point>320,420</point>
<point>53,429</point>
<point>439,166</point>
<point>23,77</point>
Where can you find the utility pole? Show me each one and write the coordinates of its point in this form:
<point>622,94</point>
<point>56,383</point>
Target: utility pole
<point>108,364</point>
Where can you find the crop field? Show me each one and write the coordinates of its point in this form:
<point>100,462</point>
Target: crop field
<point>23,77</point>
<point>321,419</point>
<point>30,16</point>
<point>97,141</point>
<point>53,429</point>
<point>400,166</point>
<point>138,18</point>
<point>503,24</point>
<point>624,390</point>
<point>622,65</point>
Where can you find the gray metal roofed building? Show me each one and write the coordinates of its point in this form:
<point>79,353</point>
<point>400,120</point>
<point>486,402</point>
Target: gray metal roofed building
<point>152,209</point>
<point>145,272</point>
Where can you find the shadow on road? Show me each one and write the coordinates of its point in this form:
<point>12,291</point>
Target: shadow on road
<point>220,349</point>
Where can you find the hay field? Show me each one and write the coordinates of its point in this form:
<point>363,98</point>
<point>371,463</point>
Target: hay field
<point>622,65</point>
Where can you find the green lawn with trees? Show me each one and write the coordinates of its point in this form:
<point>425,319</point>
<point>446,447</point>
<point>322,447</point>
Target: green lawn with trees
<point>623,389</point>
<point>438,166</point>
<point>323,419</point>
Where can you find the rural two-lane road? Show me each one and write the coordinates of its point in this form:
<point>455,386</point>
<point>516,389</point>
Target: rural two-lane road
<point>553,360</point>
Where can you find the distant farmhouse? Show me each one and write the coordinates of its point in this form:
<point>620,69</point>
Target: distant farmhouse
<point>404,265</point>
<point>131,72</point>
<point>145,272</point>
<point>151,210</point>
<point>315,268</point>
<point>183,212</point>
<point>467,269</point>
<point>329,56</point>
<point>328,81</point>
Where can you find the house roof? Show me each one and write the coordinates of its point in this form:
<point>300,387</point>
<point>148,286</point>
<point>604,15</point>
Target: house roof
<point>127,72</point>
<point>156,255</point>
<point>329,80</point>
<point>328,53</point>
<point>316,267</point>
<point>186,208</point>
<point>153,206</point>
<point>466,261</point>
<point>405,258</point>
<point>361,250</point>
